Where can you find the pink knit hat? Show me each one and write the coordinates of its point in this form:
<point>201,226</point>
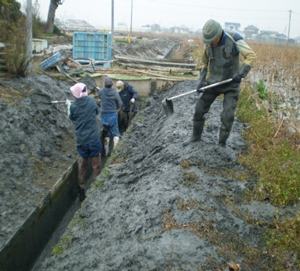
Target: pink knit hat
<point>79,90</point>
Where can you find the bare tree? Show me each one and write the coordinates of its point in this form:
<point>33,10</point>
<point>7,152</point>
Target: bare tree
<point>51,14</point>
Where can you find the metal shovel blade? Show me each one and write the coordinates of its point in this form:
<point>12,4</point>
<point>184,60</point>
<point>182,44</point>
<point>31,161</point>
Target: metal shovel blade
<point>168,107</point>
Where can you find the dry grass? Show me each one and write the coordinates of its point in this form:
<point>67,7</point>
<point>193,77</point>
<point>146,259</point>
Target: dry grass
<point>277,69</point>
<point>271,107</point>
<point>278,63</point>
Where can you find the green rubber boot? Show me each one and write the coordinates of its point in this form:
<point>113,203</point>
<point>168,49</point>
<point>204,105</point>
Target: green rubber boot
<point>197,132</point>
<point>223,137</point>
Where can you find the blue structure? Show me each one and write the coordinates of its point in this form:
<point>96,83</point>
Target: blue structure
<point>93,45</point>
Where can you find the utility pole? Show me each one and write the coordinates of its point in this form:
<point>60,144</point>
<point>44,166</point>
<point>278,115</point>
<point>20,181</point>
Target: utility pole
<point>112,21</point>
<point>290,11</point>
<point>131,17</point>
<point>29,35</point>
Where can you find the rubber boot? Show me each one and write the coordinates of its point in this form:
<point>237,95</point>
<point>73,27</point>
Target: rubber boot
<point>106,146</point>
<point>96,165</point>
<point>81,194</point>
<point>116,140</point>
<point>223,137</point>
<point>197,132</point>
<point>82,165</point>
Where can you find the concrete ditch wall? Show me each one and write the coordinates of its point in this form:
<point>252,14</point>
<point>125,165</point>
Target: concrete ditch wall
<point>22,250</point>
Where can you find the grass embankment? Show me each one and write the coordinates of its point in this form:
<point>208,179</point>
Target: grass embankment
<point>273,139</point>
<point>273,155</point>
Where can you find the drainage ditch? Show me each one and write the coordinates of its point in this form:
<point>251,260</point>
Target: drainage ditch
<point>42,228</point>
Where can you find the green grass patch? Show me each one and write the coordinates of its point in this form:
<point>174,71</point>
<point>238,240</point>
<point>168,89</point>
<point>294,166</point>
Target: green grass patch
<point>262,91</point>
<point>98,184</point>
<point>272,154</point>
<point>125,40</point>
<point>76,221</point>
<point>62,245</point>
<point>283,242</point>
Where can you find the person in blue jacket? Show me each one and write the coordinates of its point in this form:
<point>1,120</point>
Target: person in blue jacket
<point>129,96</point>
<point>83,111</point>
<point>110,104</point>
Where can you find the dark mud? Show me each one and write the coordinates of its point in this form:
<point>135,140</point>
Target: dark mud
<point>37,146</point>
<point>165,207</point>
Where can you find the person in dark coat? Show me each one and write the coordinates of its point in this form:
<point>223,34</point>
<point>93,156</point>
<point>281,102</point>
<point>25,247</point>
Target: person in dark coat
<point>220,60</point>
<point>110,104</point>
<point>83,111</point>
<point>129,96</point>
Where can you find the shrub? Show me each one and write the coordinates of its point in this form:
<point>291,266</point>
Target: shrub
<point>15,51</point>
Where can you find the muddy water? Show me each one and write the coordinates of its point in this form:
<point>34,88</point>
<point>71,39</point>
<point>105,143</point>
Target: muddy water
<point>165,207</point>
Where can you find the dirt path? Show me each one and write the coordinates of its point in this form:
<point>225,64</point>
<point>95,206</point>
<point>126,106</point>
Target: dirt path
<point>165,207</point>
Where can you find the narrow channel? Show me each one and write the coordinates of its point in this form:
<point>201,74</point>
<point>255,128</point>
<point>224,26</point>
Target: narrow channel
<point>54,239</point>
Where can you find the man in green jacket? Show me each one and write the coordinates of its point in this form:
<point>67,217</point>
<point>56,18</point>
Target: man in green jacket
<point>221,61</point>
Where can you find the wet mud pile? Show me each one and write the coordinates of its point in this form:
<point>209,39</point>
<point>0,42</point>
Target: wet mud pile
<point>37,145</point>
<point>160,206</point>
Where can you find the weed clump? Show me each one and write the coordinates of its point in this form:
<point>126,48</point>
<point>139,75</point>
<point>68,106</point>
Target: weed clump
<point>273,155</point>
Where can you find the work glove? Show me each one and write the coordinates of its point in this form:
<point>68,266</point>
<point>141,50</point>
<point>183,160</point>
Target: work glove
<point>202,82</point>
<point>68,104</point>
<point>132,100</point>
<point>241,73</point>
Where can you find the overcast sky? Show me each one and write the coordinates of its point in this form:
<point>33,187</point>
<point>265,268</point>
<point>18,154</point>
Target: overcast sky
<point>264,14</point>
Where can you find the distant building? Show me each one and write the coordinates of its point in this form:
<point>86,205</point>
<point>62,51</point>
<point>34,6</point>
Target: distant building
<point>74,25</point>
<point>297,39</point>
<point>146,28</point>
<point>198,32</point>
<point>121,27</point>
<point>233,27</point>
<point>271,36</point>
<point>180,29</point>
<point>251,32</point>
<point>155,28</point>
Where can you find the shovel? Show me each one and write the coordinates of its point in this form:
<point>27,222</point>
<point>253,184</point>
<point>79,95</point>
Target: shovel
<point>60,102</point>
<point>131,112</point>
<point>168,104</point>
<point>43,101</point>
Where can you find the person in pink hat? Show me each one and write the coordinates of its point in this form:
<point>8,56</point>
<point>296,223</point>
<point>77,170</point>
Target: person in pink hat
<point>83,111</point>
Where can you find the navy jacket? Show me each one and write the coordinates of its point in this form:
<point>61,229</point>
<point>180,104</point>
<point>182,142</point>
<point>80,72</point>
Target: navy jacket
<point>110,100</point>
<point>83,112</point>
<point>126,95</point>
